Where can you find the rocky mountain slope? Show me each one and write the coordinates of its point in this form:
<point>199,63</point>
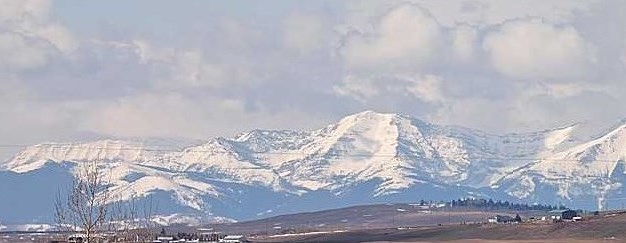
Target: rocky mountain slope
<point>363,158</point>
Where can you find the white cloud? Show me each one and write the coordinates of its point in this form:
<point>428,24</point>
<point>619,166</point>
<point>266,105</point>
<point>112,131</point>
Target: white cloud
<point>303,65</point>
<point>27,10</point>
<point>178,68</point>
<point>357,87</point>
<point>31,18</point>
<point>158,114</point>
<point>59,36</point>
<point>532,107</point>
<point>427,88</point>
<point>28,38</point>
<point>173,114</point>
<point>624,55</point>
<point>482,13</point>
<point>565,90</point>
<point>28,119</point>
<point>489,12</point>
<point>367,89</point>
<point>464,39</point>
<point>304,32</point>
<point>473,112</point>
<point>22,53</point>
<point>191,70</point>
<point>406,37</point>
<point>537,50</point>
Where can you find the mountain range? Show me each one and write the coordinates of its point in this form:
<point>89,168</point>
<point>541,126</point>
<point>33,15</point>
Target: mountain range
<point>364,158</point>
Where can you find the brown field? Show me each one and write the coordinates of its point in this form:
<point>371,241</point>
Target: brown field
<point>603,228</point>
<point>364,217</point>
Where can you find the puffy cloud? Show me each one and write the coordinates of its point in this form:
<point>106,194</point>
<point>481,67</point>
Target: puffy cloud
<point>31,18</point>
<point>427,88</point>
<point>368,89</point>
<point>358,88</point>
<point>28,39</point>
<point>407,36</point>
<point>538,50</point>
<point>487,12</point>
<point>189,73</point>
<point>482,13</point>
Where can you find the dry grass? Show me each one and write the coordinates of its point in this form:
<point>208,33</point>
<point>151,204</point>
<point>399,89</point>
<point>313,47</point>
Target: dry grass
<point>605,228</point>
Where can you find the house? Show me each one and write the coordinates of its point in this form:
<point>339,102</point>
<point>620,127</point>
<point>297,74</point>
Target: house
<point>501,219</point>
<point>163,239</point>
<point>209,237</point>
<point>234,239</point>
<point>77,238</point>
<point>566,214</point>
<point>82,238</point>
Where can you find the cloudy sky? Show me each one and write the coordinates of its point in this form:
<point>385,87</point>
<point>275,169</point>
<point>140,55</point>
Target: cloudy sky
<point>213,68</point>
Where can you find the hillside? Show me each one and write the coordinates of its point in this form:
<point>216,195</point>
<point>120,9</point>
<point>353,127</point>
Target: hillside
<point>609,227</point>
<point>374,216</point>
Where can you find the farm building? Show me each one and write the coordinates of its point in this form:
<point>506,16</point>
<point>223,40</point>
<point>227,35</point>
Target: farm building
<point>501,219</point>
<point>234,239</point>
<point>566,214</point>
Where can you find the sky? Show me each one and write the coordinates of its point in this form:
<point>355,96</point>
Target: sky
<point>199,69</point>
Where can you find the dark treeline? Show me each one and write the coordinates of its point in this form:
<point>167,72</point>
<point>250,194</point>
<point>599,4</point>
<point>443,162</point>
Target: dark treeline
<point>491,204</point>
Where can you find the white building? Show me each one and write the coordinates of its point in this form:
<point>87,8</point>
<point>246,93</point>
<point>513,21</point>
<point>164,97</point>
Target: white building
<point>234,239</point>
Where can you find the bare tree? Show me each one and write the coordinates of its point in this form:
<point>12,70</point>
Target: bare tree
<point>90,208</point>
<point>85,208</point>
<point>132,219</point>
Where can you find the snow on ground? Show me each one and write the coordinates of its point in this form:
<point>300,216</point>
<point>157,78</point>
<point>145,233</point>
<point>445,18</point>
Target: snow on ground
<point>187,219</point>
<point>307,233</point>
<point>28,227</point>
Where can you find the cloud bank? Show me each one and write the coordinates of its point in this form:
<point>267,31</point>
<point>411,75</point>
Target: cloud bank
<point>213,69</point>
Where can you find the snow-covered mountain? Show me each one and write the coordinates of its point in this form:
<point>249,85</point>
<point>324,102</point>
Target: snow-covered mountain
<point>588,172</point>
<point>363,158</point>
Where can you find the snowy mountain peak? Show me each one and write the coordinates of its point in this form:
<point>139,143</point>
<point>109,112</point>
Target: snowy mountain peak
<point>36,156</point>
<point>368,114</point>
<point>368,155</point>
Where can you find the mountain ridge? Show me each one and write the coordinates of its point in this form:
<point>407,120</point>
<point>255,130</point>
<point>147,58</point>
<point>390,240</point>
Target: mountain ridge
<point>363,157</point>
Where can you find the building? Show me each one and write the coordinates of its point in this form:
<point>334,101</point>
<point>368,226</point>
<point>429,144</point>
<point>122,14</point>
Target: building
<point>566,214</point>
<point>234,239</point>
<point>209,237</point>
<point>163,239</point>
<point>82,238</point>
<point>501,219</point>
